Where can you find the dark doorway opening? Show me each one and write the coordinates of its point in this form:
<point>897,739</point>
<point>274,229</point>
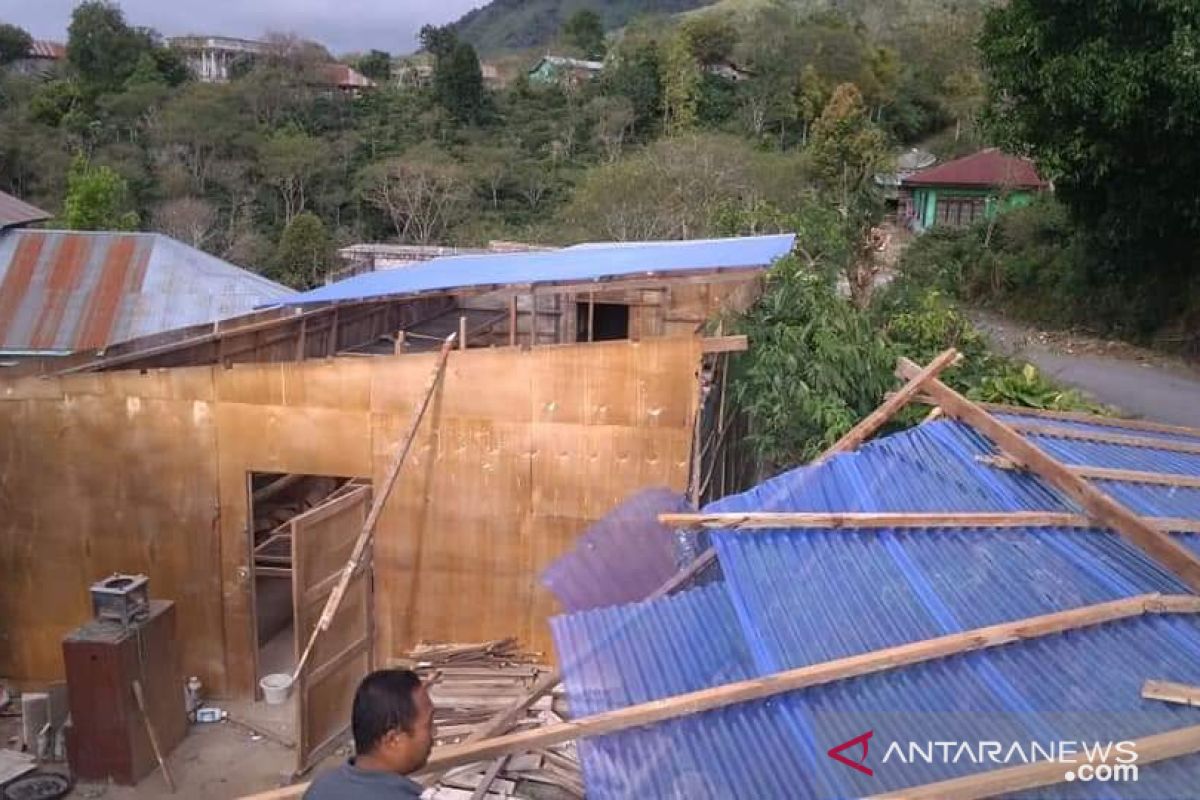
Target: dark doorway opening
<point>608,322</point>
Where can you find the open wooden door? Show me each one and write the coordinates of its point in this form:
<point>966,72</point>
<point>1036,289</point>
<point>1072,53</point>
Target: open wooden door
<point>322,540</point>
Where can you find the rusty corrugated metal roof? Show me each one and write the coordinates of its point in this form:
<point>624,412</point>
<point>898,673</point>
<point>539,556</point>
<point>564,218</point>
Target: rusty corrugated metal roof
<point>65,291</point>
<point>14,211</point>
<point>986,168</point>
<point>44,48</point>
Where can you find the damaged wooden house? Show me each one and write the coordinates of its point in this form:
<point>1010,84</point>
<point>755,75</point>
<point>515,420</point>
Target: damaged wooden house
<point>233,463</point>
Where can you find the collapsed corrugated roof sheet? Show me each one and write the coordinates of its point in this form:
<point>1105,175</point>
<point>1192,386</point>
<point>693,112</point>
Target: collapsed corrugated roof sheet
<point>14,212</point>
<point>791,598</point>
<point>63,291</point>
<point>581,263</point>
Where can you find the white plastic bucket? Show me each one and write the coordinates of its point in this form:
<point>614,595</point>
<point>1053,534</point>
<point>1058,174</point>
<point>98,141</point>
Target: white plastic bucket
<point>276,687</point>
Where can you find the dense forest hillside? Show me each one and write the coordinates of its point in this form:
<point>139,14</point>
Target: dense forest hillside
<point>522,24</point>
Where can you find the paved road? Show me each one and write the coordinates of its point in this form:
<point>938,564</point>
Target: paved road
<point>1142,385</point>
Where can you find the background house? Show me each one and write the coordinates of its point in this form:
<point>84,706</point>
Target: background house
<point>44,58</point>
<point>16,213</point>
<point>63,292</point>
<point>967,189</point>
<point>562,70</point>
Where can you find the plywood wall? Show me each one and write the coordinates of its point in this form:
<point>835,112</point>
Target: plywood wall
<point>136,472</point>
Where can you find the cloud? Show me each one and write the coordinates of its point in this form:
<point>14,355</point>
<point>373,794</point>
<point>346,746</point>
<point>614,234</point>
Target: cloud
<point>341,25</point>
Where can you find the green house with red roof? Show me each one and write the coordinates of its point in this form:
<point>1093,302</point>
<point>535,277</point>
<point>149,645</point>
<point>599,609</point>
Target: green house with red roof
<point>966,190</point>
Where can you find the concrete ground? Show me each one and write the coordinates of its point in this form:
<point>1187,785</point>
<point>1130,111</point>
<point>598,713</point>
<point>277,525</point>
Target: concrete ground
<point>1139,382</point>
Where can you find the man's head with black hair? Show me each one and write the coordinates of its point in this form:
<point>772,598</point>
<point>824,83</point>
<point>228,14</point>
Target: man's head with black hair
<point>392,721</point>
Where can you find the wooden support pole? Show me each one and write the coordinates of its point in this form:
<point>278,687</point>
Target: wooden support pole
<point>1126,440</point>
<point>399,350</point>
<point>1149,749</point>
<point>874,521</point>
<point>451,756</point>
<point>382,493</point>
<point>1171,692</point>
<point>591,316</point>
<point>302,339</point>
<point>1099,506</point>
<point>333,333</point>
<point>879,417</point>
<point>1108,474</point>
<point>462,332</point>
<point>512,321</point>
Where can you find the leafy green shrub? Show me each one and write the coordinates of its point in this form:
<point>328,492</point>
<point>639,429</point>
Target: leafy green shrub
<point>814,368</point>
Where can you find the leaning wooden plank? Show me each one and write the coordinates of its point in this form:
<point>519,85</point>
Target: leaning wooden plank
<point>1093,419</point>
<point>870,520</point>
<point>1159,747</point>
<point>725,344</point>
<point>1104,437</point>
<point>445,758</point>
<point>1171,692</point>
<point>892,404</point>
<point>1107,474</point>
<point>1100,506</point>
<point>382,493</point>
<point>770,520</point>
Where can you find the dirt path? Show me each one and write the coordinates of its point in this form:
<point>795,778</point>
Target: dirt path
<point>1138,382</point>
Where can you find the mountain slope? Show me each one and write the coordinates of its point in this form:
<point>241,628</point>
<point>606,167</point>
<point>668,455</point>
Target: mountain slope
<point>522,24</point>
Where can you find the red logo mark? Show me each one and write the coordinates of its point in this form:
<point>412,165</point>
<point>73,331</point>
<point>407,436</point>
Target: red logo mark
<point>836,753</point>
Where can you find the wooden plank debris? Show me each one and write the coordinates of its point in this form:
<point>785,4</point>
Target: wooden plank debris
<point>1159,747</point>
<point>1171,692</point>
<point>1103,508</point>
<point>468,684</point>
<point>725,344</point>
<point>891,405</point>
<point>1107,474</point>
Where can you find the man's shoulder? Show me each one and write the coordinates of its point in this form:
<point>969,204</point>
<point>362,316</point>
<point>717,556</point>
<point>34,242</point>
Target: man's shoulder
<point>345,782</point>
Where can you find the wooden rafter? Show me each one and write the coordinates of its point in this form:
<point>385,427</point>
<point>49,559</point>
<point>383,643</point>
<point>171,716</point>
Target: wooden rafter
<point>1171,692</point>
<point>1109,474</point>
<point>1106,511</point>
<point>1059,432</point>
<point>891,405</point>
<point>1093,419</point>
<point>869,663</point>
<point>1159,747</point>
<point>871,521</point>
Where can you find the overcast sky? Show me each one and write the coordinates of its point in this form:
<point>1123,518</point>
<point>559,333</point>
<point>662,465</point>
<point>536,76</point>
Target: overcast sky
<point>340,25</point>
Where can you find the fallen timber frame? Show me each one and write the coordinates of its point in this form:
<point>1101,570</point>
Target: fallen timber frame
<point>1159,747</point>
<point>1100,506</point>
<point>875,661</point>
<point>749,521</point>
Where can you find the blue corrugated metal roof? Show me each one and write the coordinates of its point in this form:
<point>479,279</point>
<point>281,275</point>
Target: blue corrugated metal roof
<point>572,264</point>
<point>792,598</point>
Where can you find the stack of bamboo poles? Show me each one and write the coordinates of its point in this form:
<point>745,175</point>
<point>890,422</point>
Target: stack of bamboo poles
<point>469,684</point>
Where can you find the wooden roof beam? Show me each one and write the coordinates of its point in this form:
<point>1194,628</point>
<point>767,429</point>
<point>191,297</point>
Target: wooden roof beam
<point>1059,432</point>
<point>1107,473</point>
<point>762,520</point>
<point>1106,511</point>
<point>1171,692</point>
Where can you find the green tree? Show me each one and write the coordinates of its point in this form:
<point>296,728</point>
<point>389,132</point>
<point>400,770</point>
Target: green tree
<point>711,37</point>
<point>376,65</point>
<point>584,30</point>
<point>635,74</point>
<point>1106,98</point>
<point>305,252</point>
<point>681,85</point>
<point>291,161</point>
<point>14,43</point>
<point>458,82</point>
<point>97,199</point>
<point>847,149</point>
<point>102,48</point>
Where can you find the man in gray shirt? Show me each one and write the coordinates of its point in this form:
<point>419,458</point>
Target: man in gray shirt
<point>392,721</point>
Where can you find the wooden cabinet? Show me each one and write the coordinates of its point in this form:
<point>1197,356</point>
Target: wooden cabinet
<point>107,737</point>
